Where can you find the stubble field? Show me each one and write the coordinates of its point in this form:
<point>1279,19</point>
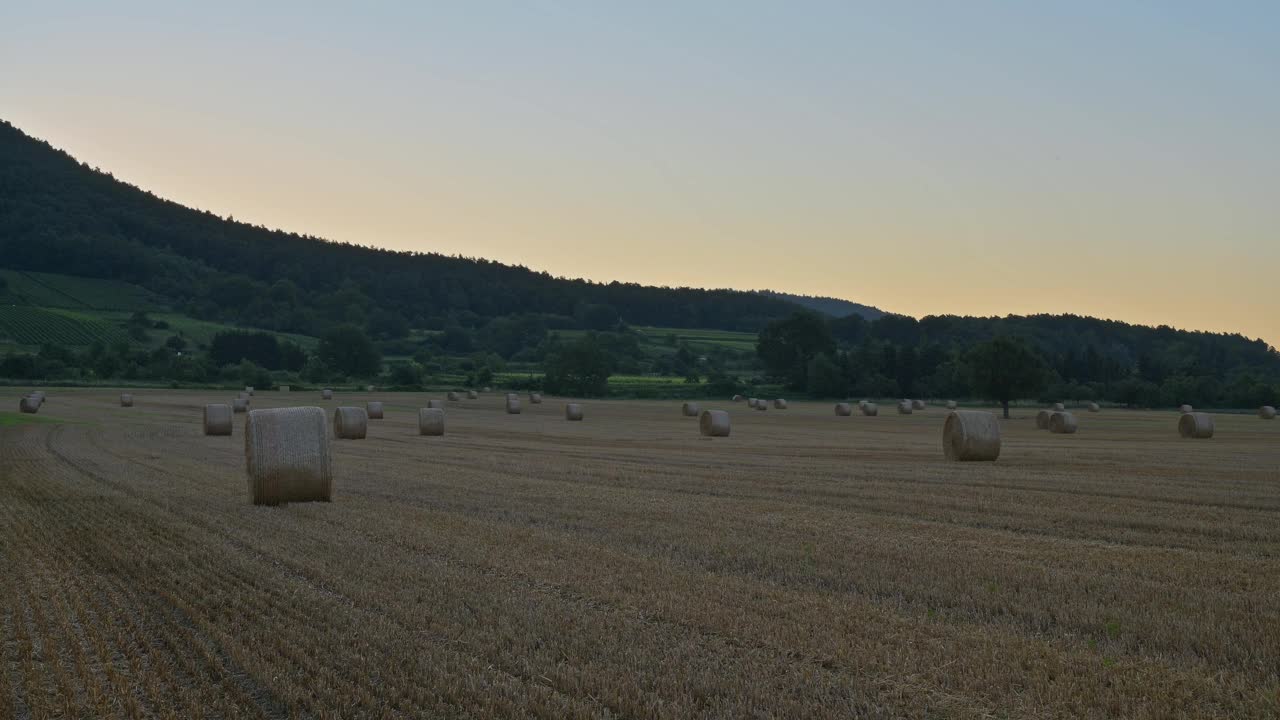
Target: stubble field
<point>807,566</point>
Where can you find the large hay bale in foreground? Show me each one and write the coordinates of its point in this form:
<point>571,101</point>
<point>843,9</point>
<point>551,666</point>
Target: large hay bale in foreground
<point>952,405</point>
<point>240,405</point>
<point>970,435</point>
<point>374,409</point>
<point>1042,419</point>
<point>573,411</point>
<point>780,404</point>
<point>350,423</point>
<point>844,409</point>
<point>1184,409</point>
<point>690,409</point>
<point>287,456</point>
<point>1196,425</point>
<point>1094,407</point>
<point>29,405</point>
<point>472,394</point>
<point>433,403</point>
<point>431,421</point>
<point>452,396</point>
<point>904,407</point>
<point>1266,412</point>
<point>326,394</point>
<point>1062,423</point>
<point>126,400</point>
<point>917,405</point>
<point>1059,407</point>
<point>513,405</point>
<point>217,419</point>
<point>714,423</point>
<point>870,409</point>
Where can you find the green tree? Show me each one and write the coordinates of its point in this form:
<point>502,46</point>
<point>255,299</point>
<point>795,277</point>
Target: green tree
<point>787,346</point>
<point>1005,369</point>
<point>579,368</point>
<point>827,378</point>
<point>346,349</point>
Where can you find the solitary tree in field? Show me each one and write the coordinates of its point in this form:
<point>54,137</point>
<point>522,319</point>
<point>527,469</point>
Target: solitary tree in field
<point>1005,369</point>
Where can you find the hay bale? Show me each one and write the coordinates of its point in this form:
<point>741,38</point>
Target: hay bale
<point>751,402</point>
<point>844,409</point>
<point>1042,419</point>
<point>1059,407</point>
<point>472,394</point>
<point>126,400</point>
<point>535,398</point>
<point>350,423</point>
<point>513,405</point>
<point>870,409</point>
<point>762,405</point>
<point>1062,423</point>
<point>452,396</point>
<point>573,411</point>
<point>217,419</point>
<point>1266,412</point>
<point>904,407</point>
<point>971,435</point>
<point>369,388</point>
<point>738,398</point>
<point>1184,409</point>
<point>862,403</point>
<point>326,394</point>
<point>433,403</point>
<point>1093,407</point>
<point>430,421</point>
<point>917,404</point>
<point>374,408</point>
<point>248,389</point>
<point>690,409</point>
<point>287,455</point>
<point>486,389</point>
<point>714,423</point>
<point>242,395</point>
<point>240,405</point>
<point>29,404</point>
<point>779,404</point>
<point>1196,425</point>
<point>951,405</point>
<point>38,395</point>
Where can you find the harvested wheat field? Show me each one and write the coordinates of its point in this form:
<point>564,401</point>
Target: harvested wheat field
<point>806,566</point>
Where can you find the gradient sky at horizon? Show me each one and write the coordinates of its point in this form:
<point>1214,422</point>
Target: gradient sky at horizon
<point>1111,159</point>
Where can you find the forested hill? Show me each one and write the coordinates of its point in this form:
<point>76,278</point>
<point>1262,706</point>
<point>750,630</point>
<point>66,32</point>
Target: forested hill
<point>835,307</point>
<point>59,215</point>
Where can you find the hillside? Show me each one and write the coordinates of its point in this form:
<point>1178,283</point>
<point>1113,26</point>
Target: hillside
<point>835,307</point>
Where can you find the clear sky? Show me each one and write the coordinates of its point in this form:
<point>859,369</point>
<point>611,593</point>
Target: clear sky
<point>1117,159</point>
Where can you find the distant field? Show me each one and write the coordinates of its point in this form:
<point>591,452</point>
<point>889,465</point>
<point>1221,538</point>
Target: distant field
<point>806,566</point>
<point>20,325</point>
<point>65,291</point>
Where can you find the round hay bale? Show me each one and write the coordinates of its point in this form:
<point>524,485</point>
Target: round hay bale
<point>844,409</point>
<point>535,398</point>
<point>1266,412</point>
<point>248,389</point>
<point>350,423</point>
<point>38,395</point>
<point>951,405</point>
<point>970,435</point>
<point>486,389</point>
<point>917,404</point>
<point>738,398</point>
<point>573,411</point>
<point>217,419</point>
<point>29,405</point>
<point>690,409</point>
<point>1042,419</point>
<point>374,408</point>
<point>870,409</point>
<point>751,402</point>
<point>1093,407</point>
<point>1062,423</point>
<point>714,423</point>
<point>242,395</point>
<point>904,407</point>
<point>862,403</point>
<point>430,421</point>
<point>779,404</point>
<point>513,405</point>
<point>369,388</point>
<point>1059,407</point>
<point>1196,425</point>
<point>1184,409</point>
<point>126,400</point>
<point>240,405</point>
<point>472,394</point>
<point>433,403</point>
<point>287,455</point>
<point>326,394</point>
<point>452,397</point>
<point>762,405</point>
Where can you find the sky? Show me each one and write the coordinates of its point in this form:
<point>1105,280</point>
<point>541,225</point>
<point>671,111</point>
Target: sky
<point>1114,159</point>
